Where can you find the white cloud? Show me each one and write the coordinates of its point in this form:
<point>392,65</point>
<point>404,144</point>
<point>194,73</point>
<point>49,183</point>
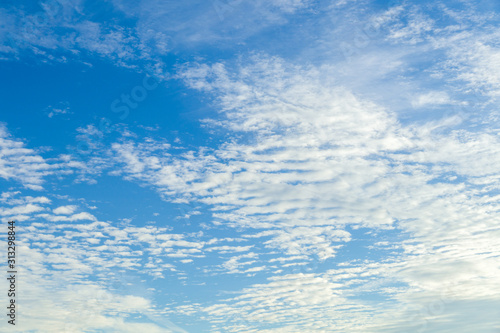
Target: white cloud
<point>229,249</point>
<point>433,98</point>
<point>64,31</point>
<point>65,210</point>
<point>478,65</point>
<point>319,159</point>
<point>308,156</point>
<point>24,209</point>
<point>27,166</point>
<point>414,29</point>
<point>300,302</point>
<point>59,109</point>
<point>290,6</point>
<point>59,257</point>
<point>70,218</point>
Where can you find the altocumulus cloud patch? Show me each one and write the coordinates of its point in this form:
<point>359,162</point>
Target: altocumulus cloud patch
<point>236,166</point>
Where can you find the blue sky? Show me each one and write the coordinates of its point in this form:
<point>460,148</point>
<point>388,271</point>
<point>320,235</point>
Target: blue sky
<point>252,166</point>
